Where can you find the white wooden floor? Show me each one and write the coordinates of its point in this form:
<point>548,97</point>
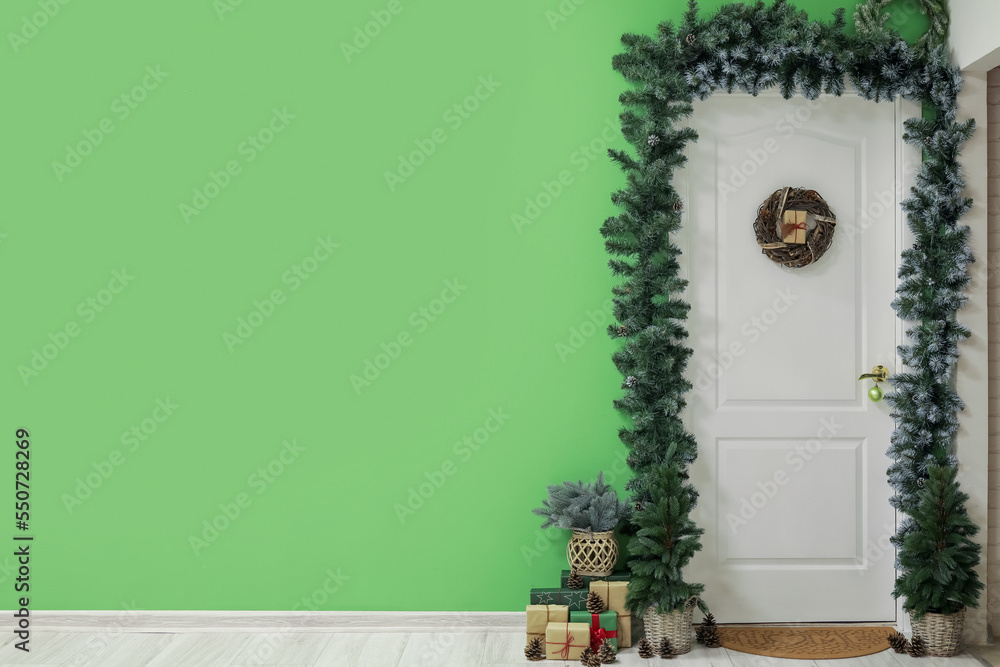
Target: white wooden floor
<point>382,649</point>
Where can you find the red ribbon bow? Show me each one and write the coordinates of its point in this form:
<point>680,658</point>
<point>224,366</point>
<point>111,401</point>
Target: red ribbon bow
<point>599,634</point>
<point>564,651</point>
<point>787,228</point>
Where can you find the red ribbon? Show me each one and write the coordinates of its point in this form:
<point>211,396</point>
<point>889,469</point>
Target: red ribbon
<point>786,229</point>
<point>564,652</point>
<point>599,634</point>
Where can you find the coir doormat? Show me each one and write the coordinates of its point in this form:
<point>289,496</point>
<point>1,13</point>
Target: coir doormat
<point>806,643</point>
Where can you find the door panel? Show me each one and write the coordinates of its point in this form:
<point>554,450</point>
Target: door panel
<point>791,467</point>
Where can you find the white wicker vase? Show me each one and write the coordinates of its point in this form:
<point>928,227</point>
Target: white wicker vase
<point>592,554</point>
<point>675,626</point>
<point>942,633</point>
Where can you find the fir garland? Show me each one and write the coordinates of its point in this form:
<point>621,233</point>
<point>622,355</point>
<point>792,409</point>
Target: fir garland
<point>751,48</point>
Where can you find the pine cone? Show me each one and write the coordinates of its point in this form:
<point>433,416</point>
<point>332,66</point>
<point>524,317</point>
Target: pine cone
<point>594,661</point>
<point>575,580</point>
<point>623,330</point>
<point>607,653</point>
<point>708,632</point>
<point>665,649</point>
<point>586,656</point>
<point>917,647</point>
<point>678,206</point>
<point>690,38</point>
<point>630,382</point>
<point>645,648</point>
<point>897,642</point>
<point>595,603</point>
<point>534,650</point>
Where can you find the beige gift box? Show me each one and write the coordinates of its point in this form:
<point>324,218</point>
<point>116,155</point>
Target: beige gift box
<point>624,630</point>
<point>613,594</point>
<point>540,615</point>
<point>793,227</point>
<point>566,641</point>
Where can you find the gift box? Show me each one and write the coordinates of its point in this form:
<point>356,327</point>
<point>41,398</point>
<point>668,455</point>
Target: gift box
<point>566,641</point>
<point>540,615</point>
<point>613,594</point>
<point>602,626</point>
<point>622,575</point>
<point>624,630</point>
<point>575,599</point>
<point>793,227</point>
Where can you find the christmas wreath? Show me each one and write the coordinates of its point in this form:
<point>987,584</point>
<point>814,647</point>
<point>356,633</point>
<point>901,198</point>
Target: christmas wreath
<point>782,227</point>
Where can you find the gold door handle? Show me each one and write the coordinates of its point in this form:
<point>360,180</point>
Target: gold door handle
<point>878,374</point>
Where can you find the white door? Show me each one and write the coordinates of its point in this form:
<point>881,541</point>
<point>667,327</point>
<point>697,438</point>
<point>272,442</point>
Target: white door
<point>792,465</point>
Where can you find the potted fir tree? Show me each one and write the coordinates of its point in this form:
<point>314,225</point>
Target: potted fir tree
<point>938,560</point>
<point>666,540</point>
<point>592,512</point>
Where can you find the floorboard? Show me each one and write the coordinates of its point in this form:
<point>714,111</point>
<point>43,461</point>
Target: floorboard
<point>285,648</point>
<point>963,660</point>
<point>444,649</point>
<point>375,649</point>
<point>47,648</point>
<point>201,650</point>
<point>120,650</point>
<point>750,660</point>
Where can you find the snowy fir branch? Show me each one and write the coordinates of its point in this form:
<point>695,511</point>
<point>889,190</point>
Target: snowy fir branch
<point>582,505</point>
<point>752,48</point>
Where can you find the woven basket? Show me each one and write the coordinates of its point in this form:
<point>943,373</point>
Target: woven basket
<point>675,626</point>
<point>592,554</point>
<point>942,633</point>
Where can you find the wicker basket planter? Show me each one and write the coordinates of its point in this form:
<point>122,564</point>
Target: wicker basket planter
<point>592,554</point>
<point>942,633</point>
<point>675,626</point>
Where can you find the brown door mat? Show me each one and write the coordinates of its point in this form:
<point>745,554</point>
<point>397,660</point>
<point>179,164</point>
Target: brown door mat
<point>806,643</point>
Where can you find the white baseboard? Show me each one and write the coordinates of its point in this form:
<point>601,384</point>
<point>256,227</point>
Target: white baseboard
<point>296,621</point>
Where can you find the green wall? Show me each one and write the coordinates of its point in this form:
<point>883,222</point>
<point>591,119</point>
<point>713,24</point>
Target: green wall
<point>219,153</point>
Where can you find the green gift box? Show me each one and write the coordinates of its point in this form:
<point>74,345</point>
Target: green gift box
<point>602,626</point>
<point>621,575</point>
<point>575,599</point>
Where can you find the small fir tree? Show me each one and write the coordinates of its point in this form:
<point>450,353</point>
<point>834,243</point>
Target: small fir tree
<point>938,557</point>
<point>664,544</point>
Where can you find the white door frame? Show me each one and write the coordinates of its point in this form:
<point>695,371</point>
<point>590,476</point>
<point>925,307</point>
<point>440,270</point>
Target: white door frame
<point>972,382</point>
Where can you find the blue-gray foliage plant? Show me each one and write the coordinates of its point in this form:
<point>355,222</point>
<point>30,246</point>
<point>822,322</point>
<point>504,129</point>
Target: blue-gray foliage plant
<point>588,506</point>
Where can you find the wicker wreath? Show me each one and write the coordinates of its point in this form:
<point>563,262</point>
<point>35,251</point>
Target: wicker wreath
<point>818,239</point>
